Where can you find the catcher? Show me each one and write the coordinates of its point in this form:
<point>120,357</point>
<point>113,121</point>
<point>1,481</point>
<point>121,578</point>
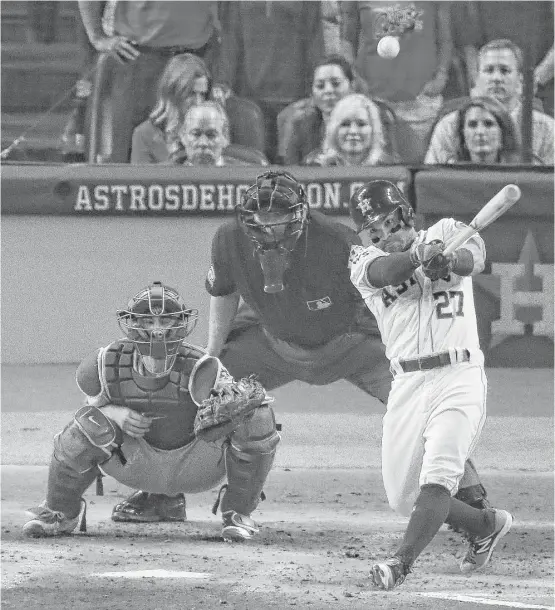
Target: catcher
<point>160,414</point>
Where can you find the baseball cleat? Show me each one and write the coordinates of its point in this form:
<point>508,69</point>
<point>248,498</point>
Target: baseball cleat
<point>237,527</point>
<point>144,507</point>
<point>45,522</point>
<point>389,574</point>
<point>480,551</point>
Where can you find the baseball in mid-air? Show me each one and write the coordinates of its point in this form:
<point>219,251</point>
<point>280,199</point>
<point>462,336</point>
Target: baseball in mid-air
<point>388,47</point>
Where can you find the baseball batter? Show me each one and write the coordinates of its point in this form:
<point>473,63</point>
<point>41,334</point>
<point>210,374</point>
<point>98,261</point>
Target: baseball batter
<point>283,306</point>
<point>138,424</point>
<point>423,303</point>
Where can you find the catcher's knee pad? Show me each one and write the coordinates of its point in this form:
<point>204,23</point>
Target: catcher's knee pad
<point>87,441</point>
<point>258,433</point>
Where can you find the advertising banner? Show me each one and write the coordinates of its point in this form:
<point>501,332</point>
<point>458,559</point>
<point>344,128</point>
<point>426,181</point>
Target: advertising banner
<point>165,190</point>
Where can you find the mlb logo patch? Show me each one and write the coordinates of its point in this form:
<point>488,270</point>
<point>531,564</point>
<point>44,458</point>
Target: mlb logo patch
<point>319,304</point>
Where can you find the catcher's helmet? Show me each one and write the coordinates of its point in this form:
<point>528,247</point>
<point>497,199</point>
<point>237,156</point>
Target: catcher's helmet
<point>157,320</point>
<point>279,194</point>
<point>377,199</point>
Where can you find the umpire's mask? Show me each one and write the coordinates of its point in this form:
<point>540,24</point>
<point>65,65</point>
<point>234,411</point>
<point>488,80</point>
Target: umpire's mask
<point>274,214</point>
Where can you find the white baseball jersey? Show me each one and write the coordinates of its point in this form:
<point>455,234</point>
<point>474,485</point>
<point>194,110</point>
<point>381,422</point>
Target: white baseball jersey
<point>434,417</point>
<point>421,317</point>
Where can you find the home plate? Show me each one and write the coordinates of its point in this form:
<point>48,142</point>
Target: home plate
<point>153,574</point>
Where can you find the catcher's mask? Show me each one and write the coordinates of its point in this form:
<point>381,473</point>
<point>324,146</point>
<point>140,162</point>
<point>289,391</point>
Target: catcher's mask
<point>379,208</point>
<point>273,213</point>
<point>157,320</point>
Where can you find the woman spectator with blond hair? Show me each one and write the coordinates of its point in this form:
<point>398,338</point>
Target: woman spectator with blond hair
<point>485,134</point>
<point>301,125</point>
<point>354,135</point>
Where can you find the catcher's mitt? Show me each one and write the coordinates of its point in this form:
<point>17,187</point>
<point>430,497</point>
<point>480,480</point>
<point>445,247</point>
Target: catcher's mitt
<point>434,264</point>
<point>228,406</point>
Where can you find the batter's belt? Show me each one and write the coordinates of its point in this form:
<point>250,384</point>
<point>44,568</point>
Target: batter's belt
<point>432,361</point>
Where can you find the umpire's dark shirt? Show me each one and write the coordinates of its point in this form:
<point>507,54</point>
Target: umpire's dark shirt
<point>319,301</point>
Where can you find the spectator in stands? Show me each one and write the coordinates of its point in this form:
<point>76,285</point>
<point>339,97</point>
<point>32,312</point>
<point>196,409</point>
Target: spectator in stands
<point>414,81</point>
<point>268,54</point>
<point>499,76</point>
<point>204,136</point>
<point>185,81</point>
<point>485,134</point>
<point>139,39</point>
<point>524,23</point>
<point>354,135</point>
<point>301,125</point>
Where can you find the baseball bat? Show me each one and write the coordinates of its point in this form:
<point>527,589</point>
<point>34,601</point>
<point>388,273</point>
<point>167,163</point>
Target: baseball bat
<point>496,206</point>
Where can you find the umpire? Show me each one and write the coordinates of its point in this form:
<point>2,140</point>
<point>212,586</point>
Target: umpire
<point>282,304</point>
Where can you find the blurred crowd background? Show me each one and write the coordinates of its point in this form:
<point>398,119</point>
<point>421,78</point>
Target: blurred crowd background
<point>277,82</point>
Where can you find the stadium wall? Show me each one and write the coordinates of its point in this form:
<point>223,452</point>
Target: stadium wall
<point>78,241</point>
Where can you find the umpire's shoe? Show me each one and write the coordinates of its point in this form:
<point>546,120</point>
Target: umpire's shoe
<point>389,574</point>
<point>145,507</point>
<point>237,527</point>
<point>46,522</point>
<point>480,551</point>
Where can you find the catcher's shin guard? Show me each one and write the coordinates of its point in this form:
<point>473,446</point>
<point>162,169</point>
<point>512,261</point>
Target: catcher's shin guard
<point>249,458</point>
<point>78,449</point>
<point>66,487</point>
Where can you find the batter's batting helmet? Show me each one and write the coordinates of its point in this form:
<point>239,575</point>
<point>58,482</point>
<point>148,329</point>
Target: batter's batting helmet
<point>278,193</point>
<point>157,320</point>
<point>377,199</point>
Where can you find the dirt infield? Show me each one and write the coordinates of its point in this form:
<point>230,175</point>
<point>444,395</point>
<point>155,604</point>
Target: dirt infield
<point>324,522</point>
<point>321,529</point>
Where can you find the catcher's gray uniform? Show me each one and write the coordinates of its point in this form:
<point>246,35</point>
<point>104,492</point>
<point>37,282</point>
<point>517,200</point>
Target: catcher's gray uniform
<point>169,459</point>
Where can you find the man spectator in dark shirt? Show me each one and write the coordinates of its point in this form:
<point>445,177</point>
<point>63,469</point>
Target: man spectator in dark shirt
<point>140,38</point>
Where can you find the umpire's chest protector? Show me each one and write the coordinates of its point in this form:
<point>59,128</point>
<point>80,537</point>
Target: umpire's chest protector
<point>166,397</point>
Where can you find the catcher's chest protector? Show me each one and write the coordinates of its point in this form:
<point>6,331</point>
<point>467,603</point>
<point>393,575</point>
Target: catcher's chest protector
<point>167,397</point>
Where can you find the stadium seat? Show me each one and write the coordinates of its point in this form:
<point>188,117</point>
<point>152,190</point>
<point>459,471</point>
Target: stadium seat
<point>246,153</point>
<point>246,122</point>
